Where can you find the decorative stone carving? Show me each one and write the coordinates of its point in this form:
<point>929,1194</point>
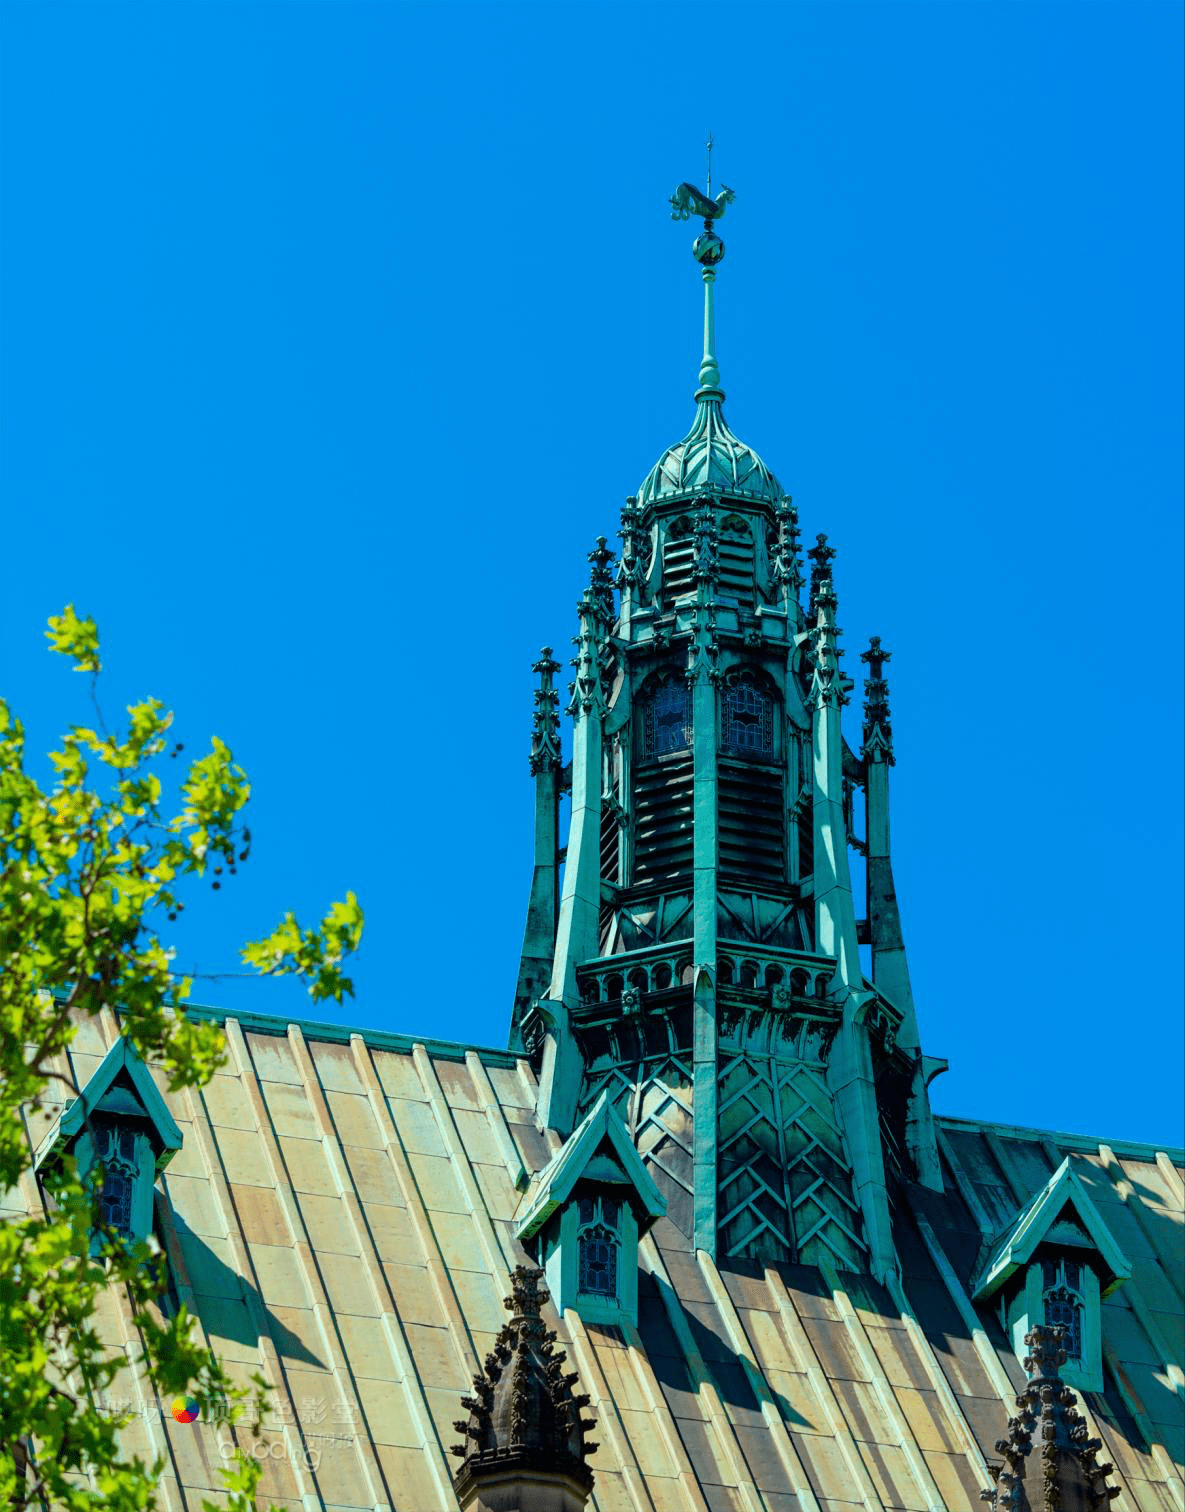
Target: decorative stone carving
<point>545,734</point>
<point>878,731</point>
<point>601,580</point>
<point>1067,1476</point>
<point>827,683</point>
<point>525,1445</point>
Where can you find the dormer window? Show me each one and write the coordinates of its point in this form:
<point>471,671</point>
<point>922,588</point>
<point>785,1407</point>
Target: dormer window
<point>121,1134</point>
<point>1054,1263</point>
<point>584,1214</point>
<point>597,1239</point>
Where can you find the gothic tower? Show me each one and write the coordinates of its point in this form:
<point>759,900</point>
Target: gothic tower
<point>694,950</point>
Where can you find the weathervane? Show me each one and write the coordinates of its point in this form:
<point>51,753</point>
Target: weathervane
<point>707,249</point>
<point>687,201</point>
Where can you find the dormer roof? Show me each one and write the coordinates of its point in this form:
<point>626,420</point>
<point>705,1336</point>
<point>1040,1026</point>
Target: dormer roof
<point>120,1087</point>
<point>1061,1214</point>
<point>599,1149</point>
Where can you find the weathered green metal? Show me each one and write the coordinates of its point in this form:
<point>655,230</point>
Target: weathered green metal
<point>119,1114</point>
<point>1064,1202</point>
<point>890,969</point>
<point>543,906</point>
<point>121,1085</point>
<point>711,789</point>
<point>1058,1223</point>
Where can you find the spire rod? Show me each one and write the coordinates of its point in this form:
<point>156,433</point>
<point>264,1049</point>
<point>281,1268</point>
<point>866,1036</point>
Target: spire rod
<point>709,368</point>
<point>707,250</point>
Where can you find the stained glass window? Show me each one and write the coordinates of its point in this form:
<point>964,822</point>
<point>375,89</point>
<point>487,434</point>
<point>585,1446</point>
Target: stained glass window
<point>748,720</point>
<point>598,1262</point>
<point>666,720</point>
<point>598,1242</point>
<point>1062,1287</point>
<point>117,1154</point>
<point>1064,1307</point>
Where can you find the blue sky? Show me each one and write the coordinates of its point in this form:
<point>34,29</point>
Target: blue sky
<point>335,334</point>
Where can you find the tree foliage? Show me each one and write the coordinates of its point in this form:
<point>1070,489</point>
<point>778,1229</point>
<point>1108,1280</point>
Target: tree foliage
<point>93,869</point>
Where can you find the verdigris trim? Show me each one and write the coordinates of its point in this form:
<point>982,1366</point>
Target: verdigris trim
<point>1087,1142</point>
<point>340,1034</point>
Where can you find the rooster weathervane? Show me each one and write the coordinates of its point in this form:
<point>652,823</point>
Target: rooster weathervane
<point>688,201</point>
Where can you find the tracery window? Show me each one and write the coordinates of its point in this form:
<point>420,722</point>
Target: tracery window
<point>666,719</point>
<point>748,719</point>
<point>598,1246</point>
<point>1063,1298</point>
<point>116,1156</point>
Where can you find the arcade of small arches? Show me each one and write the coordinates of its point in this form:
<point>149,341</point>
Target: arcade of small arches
<point>609,984</point>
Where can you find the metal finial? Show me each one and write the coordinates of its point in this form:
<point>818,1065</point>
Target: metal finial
<point>709,144</point>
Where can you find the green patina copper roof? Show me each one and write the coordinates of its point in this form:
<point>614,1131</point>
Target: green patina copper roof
<point>710,459</point>
<point>1038,1220</point>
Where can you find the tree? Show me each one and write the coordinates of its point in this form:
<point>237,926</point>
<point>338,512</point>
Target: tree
<point>92,873</point>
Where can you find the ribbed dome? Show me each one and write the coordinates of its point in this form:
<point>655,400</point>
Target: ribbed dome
<point>710,459</point>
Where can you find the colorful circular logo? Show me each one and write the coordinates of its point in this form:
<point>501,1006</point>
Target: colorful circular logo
<point>185,1409</point>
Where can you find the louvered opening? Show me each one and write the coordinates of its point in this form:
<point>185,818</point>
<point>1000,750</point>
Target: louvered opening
<point>752,829</point>
<point>662,821</point>
<point>736,569</point>
<point>678,560</point>
<point>610,846</point>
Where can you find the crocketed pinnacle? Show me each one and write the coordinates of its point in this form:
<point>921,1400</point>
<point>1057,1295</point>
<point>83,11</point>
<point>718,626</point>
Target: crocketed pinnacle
<point>1050,1462</point>
<point>524,1413</point>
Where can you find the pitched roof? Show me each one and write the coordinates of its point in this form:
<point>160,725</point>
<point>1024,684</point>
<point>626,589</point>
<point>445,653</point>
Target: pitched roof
<point>341,1217</point>
<point>1050,1215</point>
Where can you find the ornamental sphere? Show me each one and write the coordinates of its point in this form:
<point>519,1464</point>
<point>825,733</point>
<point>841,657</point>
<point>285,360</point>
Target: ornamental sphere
<point>708,249</point>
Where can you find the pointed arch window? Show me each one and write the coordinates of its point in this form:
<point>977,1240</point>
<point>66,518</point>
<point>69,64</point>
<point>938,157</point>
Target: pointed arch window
<point>117,1162</point>
<point>666,719</point>
<point>597,1247</point>
<point>1062,1294</point>
<point>748,719</point>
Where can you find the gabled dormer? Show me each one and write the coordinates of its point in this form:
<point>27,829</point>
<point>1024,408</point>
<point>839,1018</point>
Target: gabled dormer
<point>119,1126</point>
<point>1052,1265</point>
<point>584,1215</point>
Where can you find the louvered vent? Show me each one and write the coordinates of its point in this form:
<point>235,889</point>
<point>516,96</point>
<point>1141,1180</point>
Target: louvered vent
<point>678,560</point>
<point>663,829</point>
<point>752,829</point>
<point>736,569</point>
<point>610,847</point>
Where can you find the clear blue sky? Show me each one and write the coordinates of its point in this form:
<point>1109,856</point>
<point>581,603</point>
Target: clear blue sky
<point>333,335</point>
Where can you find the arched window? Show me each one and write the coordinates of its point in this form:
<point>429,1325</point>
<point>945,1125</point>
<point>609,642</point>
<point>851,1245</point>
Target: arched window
<point>666,719</point>
<point>597,1239</point>
<point>117,1160</point>
<point>1062,1292</point>
<point>748,719</point>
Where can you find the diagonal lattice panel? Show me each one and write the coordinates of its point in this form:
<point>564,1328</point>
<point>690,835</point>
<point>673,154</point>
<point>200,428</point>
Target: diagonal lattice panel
<point>784,1187</point>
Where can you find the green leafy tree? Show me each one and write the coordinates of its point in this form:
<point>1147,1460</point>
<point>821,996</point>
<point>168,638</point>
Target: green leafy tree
<point>92,871</point>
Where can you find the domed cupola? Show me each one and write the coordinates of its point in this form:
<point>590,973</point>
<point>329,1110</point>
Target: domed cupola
<point>709,459</point>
